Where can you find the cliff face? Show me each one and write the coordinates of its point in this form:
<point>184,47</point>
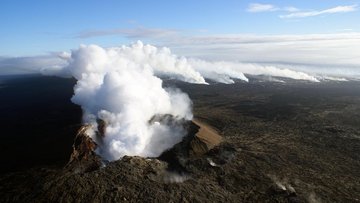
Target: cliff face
<point>205,139</point>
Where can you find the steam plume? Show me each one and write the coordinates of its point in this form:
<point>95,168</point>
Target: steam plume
<point>121,86</point>
<point>225,72</point>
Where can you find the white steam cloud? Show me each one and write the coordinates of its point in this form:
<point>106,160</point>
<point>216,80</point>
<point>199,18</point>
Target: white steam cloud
<point>119,86</point>
<point>225,72</point>
<point>122,87</point>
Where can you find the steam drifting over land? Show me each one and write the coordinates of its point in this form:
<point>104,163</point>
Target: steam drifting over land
<point>122,86</point>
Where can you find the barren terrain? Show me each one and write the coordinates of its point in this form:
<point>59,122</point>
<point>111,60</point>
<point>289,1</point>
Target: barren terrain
<point>281,142</point>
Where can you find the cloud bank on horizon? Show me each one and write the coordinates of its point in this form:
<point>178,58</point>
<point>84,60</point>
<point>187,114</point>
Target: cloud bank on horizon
<point>164,63</point>
<point>318,55</point>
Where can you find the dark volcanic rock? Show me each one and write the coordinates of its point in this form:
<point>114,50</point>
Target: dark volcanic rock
<point>134,179</point>
<point>83,158</point>
<point>200,139</point>
<point>101,127</point>
<point>297,142</point>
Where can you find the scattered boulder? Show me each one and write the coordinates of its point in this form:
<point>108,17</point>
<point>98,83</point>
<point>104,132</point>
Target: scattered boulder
<point>283,193</point>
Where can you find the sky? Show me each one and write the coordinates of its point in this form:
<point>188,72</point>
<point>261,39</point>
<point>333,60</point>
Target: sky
<point>302,33</point>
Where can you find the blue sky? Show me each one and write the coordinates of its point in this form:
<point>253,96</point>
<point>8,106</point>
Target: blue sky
<point>39,27</point>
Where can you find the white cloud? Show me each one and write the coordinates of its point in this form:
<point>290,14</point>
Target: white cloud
<point>256,7</point>
<point>347,30</point>
<point>293,12</point>
<point>303,14</point>
<point>46,64</point>
<point>135,33</point>
<point>291,9</point>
